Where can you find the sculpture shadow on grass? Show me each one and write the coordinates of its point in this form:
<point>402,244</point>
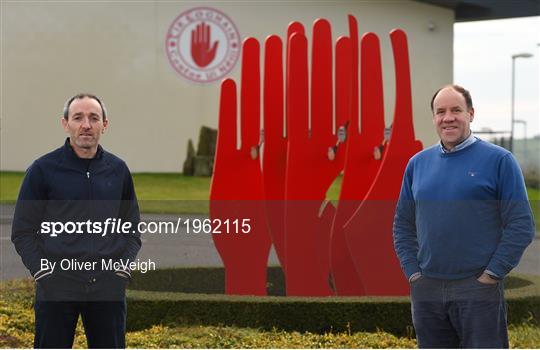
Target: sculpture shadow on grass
<point>211,280</point>
<point>200,280</point>
<point>195,296</point>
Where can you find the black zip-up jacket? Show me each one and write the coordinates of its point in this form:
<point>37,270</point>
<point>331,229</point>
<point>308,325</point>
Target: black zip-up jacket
<point>61,187</point>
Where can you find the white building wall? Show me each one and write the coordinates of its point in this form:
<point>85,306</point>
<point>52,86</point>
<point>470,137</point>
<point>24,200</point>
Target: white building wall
<point>52,50</point>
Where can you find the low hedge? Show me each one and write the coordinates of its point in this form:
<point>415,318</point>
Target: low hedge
<point>183,296</point>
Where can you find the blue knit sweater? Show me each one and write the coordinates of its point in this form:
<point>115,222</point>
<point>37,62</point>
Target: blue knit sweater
<point>461,213</point>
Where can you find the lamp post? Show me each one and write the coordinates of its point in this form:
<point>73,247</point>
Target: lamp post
<point>519,55</point>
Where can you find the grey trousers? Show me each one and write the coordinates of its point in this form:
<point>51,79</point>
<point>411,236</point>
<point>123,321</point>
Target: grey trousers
<point>461,313</point>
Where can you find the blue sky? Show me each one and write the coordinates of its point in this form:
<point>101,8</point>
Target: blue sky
<point>483,65</point>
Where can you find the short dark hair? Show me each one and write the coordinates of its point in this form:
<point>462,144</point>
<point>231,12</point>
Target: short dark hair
<point>81,96</point>
<point>464,92</point>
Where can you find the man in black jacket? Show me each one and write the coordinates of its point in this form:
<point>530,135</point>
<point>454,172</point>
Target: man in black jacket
<point>63,230</point>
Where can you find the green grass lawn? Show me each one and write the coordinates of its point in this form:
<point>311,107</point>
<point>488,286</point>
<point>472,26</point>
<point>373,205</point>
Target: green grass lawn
<point>157,192</point>
<point>172,193</point>
<point>155,186</point>
<point>175,193</point>
<point>10,182</point>
<point>534,194</point>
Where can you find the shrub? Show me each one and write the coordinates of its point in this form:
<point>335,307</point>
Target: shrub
<point>173,297</point>
<point>17,326</point>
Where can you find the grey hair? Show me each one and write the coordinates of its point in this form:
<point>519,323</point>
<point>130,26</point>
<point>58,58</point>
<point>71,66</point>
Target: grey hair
<point>81,96</point>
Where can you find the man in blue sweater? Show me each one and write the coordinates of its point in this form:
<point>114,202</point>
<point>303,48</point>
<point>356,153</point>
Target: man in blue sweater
<point>78,270</point>
<point>462,223</point>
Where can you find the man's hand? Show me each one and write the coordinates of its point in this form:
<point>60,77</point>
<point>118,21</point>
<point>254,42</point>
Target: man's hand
<point>486,279</point>
<point>123,274</point>
<point>415,276</point>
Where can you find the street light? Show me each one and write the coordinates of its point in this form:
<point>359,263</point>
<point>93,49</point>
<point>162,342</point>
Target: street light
<point>519,55</point>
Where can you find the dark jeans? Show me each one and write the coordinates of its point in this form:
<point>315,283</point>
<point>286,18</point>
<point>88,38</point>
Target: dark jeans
<point>100,301</point>
<point>461,313</point>
<point>104,323</point>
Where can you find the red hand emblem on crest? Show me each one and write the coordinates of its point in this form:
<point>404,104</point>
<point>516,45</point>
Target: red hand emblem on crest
<point>201,52</point>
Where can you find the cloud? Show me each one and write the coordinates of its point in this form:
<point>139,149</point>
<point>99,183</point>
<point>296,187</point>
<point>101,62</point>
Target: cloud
<point>483,64</point>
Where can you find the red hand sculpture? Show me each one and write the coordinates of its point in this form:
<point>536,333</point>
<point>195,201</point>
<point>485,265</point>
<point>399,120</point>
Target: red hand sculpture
<point>315,243</point>
<point>237,190</point>
<point>309,171</point>
<point>369,231</point>
<point>361,166</point>
<point>201,52</point>
<point>275,139</point>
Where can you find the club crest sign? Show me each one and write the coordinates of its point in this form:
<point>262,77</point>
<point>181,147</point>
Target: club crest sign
<point>203,44</point>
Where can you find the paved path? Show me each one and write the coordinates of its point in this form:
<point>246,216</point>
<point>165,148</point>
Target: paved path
<point>181,249</point>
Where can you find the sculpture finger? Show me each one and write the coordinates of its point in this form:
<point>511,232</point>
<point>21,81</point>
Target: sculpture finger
<point>344,80</point>
<point>321,81</point>
<point>250,98</point>
<point>293,28</point>
<point>273,91</point>
<point>227,136</point>
<point>297,89</point>
<point>403,115</point>
<point>275,144</point>
<point>353,129</point>
<point>372,105</point>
